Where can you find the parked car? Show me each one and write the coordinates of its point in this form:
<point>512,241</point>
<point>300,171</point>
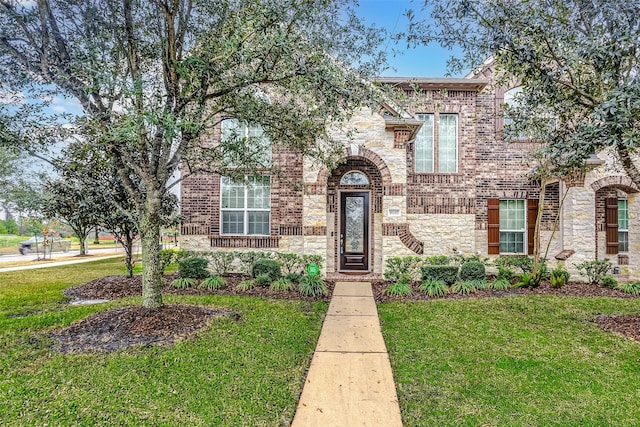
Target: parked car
<point>56,243</point>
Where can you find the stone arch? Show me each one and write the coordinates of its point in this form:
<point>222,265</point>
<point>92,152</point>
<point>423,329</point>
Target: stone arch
<point>620,182</point>
<point>360,153</point>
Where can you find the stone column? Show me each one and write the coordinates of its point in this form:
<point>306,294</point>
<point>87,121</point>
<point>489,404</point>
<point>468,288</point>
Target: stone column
<point>633,199</point>
<point>578,225</point>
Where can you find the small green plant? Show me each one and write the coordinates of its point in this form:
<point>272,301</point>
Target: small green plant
<point>465,287</point>
<point>213,283</point>
<point>183,282</point>
<point>525,281</point>
<point>559,277</point>
<point>282,285</point>
<point>399,289</point>
<point>500,285</point>
<point>245,285</point>
<point>269,267</point>
<point>630,288</point>
<point>293,277</point>
<point>595,270</point>
<point>472,270</point>
<point>505,273</point>
<point>608,281</point>
<point>291,263</point>
<point>407,267</point>
<point>312,285</point>
<point>193,268</point>
<point>437,260</point>
<point>247,259</point>
<point>263,280</point>
<point>169,256</point>
<point>434,288</point>
<point>447,273</point>
<point>312,259</point>
<point>481,284</point>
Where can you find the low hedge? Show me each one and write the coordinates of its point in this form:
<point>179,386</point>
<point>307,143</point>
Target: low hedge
<point>447,273</point>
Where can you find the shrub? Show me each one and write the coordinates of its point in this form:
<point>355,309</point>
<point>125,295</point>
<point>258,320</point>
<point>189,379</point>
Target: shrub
<point>193,268</point>
<point>505,273</point>
<point>245,285</point>
<point>213,282</point>
<point>594,270</point>
<point>247,259</point>
<point>399,289</point>
<point>281,285</point>
<point>559,277</point>
<point>263,279</point>
<point>437,260</point>
<point>472,270</point>
<point>525,281</point>
<point>500,284</point>
<point>268,267</point>
<point>447,273</point>
<point>169,256</point>
<point>183,282</point>
<point>434,288</point>
<point>221,262</point>
<point>291,263</point>
<point>312,285</point>
<point>312,259</point>
<point>406,268</point>
<point>465,287</point>
<point>630,288</point>
<point>608,281</point>
<point>293,277</point>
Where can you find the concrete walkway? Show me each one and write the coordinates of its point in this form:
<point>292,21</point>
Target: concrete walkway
<point>46,264</point>
<point>350,382</point>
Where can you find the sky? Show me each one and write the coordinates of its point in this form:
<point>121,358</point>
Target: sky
<point>421,61</point>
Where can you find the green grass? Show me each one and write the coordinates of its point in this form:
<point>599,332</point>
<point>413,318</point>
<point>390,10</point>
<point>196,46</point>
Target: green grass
<point>236,372</point>
<point>512,361</point>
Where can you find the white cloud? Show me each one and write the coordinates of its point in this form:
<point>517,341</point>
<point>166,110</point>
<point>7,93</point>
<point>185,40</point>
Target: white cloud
<point>59,108</point>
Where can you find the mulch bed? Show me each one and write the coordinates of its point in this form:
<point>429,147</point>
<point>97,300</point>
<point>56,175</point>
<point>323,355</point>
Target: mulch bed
<point>124,327</point>
<point>120,328</point>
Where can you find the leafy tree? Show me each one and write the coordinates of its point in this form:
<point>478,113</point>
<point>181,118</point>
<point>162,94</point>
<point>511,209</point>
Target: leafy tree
<point>155,77</point>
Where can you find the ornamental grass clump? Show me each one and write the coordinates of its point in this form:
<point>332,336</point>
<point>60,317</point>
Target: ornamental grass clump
<point>499,285</point>
<point>434,288</point>
<point>312,285</point>
<point>630,288</point>
<point>282,285</point>
<point>213,283</point>
<point>559,277</point>
<point>464,287</point>
<point>245,285</point>
<point>183,282</point>
<point>399,289</point>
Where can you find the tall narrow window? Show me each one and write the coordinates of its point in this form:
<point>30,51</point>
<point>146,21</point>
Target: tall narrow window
<point>245,144</point>
<point>448,143</point>
<point>246,205</point>
<point>424,144</point>
<point>623,226</point>
<point>512,226</point>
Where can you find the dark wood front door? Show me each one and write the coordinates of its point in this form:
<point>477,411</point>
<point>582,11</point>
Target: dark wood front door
<point>354,231</point>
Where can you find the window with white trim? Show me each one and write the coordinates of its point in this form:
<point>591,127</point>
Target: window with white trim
<point>245,144</point>
<point>448,143</point>
<point>623,225</point>
<point>424,144</point>
<point>245,205</point>
<point>513,227</point>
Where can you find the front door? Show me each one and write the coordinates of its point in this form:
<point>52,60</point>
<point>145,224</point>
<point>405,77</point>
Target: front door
<point>354,231</point>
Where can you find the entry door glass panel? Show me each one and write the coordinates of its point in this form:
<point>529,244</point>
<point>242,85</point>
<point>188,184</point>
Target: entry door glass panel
<point>354,226</point>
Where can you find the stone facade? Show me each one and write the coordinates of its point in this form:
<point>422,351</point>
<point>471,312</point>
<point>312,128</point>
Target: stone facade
<point>413,213</point>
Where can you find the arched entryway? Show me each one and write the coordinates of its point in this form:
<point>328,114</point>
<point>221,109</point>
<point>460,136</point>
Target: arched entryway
<point>354,211</point>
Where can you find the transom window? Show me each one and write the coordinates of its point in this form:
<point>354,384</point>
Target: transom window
<point>446,144</point>
<point>512,226</point>
<point>354,178</point>
<point>245,144</point>
<point>246,205</point>
<point>623,226</point>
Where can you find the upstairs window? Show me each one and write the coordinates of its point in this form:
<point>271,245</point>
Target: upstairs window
<point>245,205</point>
<point>444,147</point>
<point>245,144</point>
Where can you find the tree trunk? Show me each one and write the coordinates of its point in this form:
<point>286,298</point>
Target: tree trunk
<point>96,239</point>
<point>150,239</point>
<point>83,243</point>
<point>127,244</point>
<point>537,271</point>
<point>627,163</point>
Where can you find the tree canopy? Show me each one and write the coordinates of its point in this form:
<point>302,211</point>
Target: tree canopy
<point>577,62</point>
<point>155,77</point>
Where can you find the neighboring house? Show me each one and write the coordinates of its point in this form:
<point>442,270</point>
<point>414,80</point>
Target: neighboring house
<point>435,177</point>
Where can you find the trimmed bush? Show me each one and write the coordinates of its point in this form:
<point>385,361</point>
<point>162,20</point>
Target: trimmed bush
<point>193,268</point>
<point>437,260</point>
<point>434,288</point>
<point>269,267</point>
<point>312,285</point>
<point>608,281</point>
<point>447,273</point>
<point>472,270</point>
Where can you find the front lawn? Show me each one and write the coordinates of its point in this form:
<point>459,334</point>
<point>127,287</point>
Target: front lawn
<point>512,361</point>
<point>242,370</point>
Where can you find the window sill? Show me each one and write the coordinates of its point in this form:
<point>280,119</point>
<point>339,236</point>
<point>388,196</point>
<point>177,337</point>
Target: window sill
<point>243,241</point>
